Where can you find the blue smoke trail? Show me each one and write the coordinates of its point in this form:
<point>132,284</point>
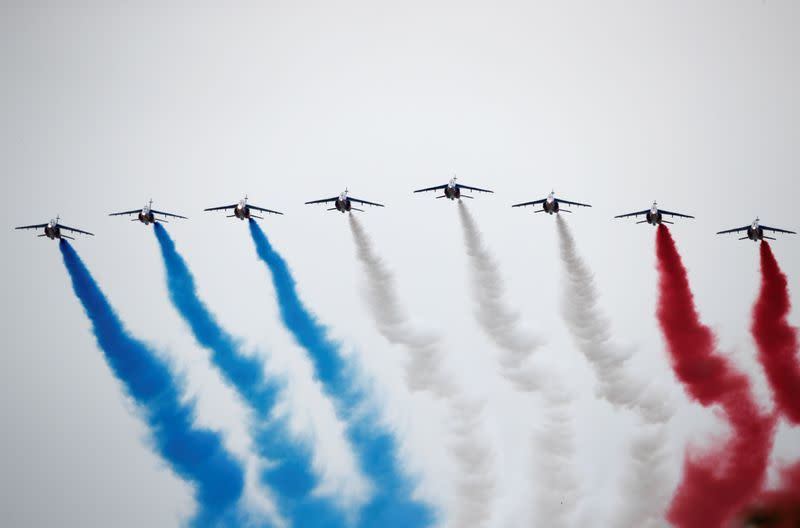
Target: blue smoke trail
<point>289,475</point>
<point>391,504</point>
<point>196,455</point>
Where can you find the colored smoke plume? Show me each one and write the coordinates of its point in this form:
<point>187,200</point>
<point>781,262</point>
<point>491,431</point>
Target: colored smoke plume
<point>775,338</point>
<point>716,483</point>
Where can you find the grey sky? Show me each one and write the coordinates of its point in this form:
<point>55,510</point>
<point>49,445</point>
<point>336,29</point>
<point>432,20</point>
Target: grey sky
<point>612,103</point>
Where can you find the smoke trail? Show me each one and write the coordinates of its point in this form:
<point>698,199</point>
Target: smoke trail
<point>718,483</point>
<point>289,474</point>
<point>647,483</point>
<point>196,455</point>
<point>475,488</point>
<point>778,507</point>
<point>553,447</point>
<point>391,504</point>
<point>776,338</point>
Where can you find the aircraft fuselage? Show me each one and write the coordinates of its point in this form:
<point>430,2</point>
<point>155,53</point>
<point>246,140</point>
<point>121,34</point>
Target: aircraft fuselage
<point>550,206</point>
<point>755,233</point>
<point>52,232</point>
<point>147,217</point>
<point>241,212</point>
<point>452,192</point>
<point>343,205</point>
<point>654,217</point>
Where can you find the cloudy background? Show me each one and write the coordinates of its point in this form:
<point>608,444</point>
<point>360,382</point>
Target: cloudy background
<point>613,103</point>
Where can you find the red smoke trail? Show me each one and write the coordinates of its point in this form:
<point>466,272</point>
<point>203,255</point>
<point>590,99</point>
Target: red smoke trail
<point>776,338</point>
<point>778,508</point>
<point>716,484</point>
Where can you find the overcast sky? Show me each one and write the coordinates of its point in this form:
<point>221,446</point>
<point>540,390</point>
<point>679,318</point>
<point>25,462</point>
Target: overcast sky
<point>614,103</point>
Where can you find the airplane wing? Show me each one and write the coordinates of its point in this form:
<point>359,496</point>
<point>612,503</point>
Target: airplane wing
<point>633,214</point>
<point>431,188</point>
<point>220,208</point>
<point>324,200</point>
<point>365,202</point>
<point>62,226</point>
<point>37,226</point>
<point>264,210</point>
<point>474,188</point>
<point>167,214</point>
<point>775,229</point>
<point>662,211</point>
<point>133,211</point>
<point>736,230</point>
<point>572,203</point>
<point>535,202</point>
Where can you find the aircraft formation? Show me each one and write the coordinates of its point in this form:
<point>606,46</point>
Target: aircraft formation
<point>452,190</point>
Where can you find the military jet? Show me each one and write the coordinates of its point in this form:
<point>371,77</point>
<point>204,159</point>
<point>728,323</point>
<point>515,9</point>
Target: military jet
<point>243,210</point>
<point>551,204</point>
<point>452,190</point>
<point>755,231</point>
<point>53,229</point>
<point>654,215</point>
<point>147,215</point>
<point>344,203</point>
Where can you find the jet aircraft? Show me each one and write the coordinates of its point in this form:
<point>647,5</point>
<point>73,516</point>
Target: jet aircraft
<point>243,210</point>
<point>654,215</point>
<point>755,231</point>
<point>452,190</point>
<point>344,203</point>
<point>53,229</point>
<point>147,215</point>
<point>551,204</point>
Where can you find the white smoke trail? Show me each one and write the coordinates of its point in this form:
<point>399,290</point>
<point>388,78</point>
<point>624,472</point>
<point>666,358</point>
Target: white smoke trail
<point>472,453</point>
<point>558,489</point>
<point>646,484</point>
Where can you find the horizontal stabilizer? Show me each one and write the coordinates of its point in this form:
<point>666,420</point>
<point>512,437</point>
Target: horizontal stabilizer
<point>442,196</point>
<point>744,238</point>
<point>667,222</point>
<point>641,222</point>
<point>771,238</point>
<point>465,196</point>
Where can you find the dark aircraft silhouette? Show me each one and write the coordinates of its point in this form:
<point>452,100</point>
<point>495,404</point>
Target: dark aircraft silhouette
<point>344,203</point>
<point>452,190</point>
<point>147,215</point>
<point>243,210</point>
<point>755,231</point>
<point>53,228</point>
<point>654,215</point>
<point>551,204</point>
